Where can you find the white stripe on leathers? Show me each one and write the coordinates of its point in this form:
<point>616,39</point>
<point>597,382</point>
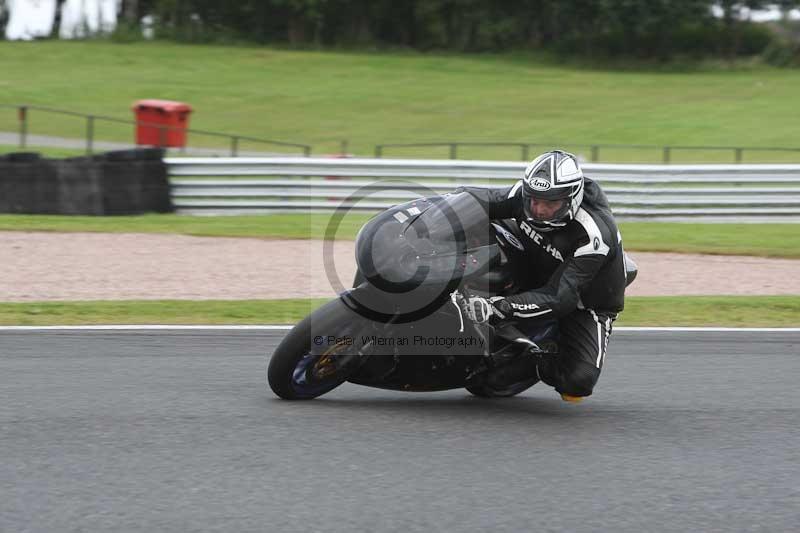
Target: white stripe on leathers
<point>599,337</point>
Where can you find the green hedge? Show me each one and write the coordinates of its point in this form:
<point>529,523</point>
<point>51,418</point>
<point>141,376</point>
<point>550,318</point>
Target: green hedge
<point>653,29</point>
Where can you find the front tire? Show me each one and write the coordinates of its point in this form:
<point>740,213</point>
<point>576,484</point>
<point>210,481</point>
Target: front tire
<point>301,369</point>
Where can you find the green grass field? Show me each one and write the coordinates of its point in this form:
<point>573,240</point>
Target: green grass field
<point>767,240</point>
<point>45,151</point>
<point>774,311</point>
<point>319,98</point>
<point>157,312</point>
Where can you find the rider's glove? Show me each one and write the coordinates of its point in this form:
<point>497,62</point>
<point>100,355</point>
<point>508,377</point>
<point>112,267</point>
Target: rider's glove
<point>502,309</point>
<point>480,309</point>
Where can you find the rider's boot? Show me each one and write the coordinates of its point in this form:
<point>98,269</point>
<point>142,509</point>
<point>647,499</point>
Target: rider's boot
<point>522,368</point>
<point>514,362</point>
<point>518,342</point>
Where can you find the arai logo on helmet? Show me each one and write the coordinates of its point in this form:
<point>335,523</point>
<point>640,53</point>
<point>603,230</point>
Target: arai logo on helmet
<point>538,184</point>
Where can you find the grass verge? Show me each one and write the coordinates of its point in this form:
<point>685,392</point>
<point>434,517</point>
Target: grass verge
<point>766,240</point>
<point>277,226</point>
<point>157,312</point>
<point>733,311</point>
<point>322,97</point>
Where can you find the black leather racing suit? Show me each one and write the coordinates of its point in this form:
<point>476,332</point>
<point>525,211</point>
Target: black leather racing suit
<point>576,275</point>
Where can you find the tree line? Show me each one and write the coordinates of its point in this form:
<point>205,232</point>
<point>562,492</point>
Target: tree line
<point>658,29</point>
<point>648,29</point>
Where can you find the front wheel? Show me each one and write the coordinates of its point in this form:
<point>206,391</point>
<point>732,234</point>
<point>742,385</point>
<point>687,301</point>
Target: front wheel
<point>302,367</point>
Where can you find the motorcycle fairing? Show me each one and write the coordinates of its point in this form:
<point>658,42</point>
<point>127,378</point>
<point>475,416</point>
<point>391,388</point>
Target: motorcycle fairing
<point>429,242</point>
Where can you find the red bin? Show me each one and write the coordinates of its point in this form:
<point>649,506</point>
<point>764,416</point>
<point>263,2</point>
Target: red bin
<point>161,122</point>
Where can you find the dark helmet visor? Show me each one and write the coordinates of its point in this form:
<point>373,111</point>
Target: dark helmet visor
<point>546,206</point>
<point>546,210</point>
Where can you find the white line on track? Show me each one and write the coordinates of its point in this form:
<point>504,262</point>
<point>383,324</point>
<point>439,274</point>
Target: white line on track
<point>158,327</point>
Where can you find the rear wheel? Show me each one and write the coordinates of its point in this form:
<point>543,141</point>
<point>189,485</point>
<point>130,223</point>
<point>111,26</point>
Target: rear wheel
<point>316,357</point>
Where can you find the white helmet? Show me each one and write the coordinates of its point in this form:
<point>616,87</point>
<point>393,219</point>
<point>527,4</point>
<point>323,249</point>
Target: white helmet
<point>552,190</point>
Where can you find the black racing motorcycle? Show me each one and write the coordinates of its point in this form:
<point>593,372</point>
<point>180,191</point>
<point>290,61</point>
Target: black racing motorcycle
<point>403,324</point>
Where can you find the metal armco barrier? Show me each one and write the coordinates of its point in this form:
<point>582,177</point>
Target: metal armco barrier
<point>254,185</point>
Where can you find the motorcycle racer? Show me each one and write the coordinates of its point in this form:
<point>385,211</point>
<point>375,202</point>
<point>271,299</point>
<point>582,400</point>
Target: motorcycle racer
<point>577,274</point>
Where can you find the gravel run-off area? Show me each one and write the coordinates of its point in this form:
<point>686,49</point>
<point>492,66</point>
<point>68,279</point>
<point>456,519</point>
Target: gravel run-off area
<point>41,266</point>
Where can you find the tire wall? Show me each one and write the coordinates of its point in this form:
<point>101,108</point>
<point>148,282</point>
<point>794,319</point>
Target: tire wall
<point>127,182</point>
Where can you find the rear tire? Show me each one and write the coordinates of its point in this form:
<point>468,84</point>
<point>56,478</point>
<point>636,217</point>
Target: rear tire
<point>301,369</point>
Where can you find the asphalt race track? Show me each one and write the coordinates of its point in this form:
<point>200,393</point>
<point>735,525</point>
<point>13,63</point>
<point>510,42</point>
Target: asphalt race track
<point>177,431</point>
